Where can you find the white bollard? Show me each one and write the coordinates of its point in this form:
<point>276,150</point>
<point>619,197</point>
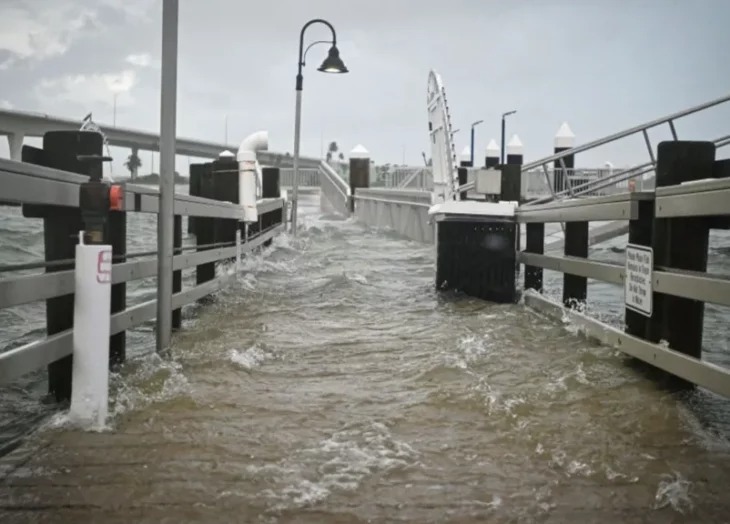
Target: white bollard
<point>92,309</point>
<point>238,248</point>
<point>247,185</point>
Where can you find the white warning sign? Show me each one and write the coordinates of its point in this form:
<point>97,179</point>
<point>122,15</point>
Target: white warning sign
<point>638,288</point>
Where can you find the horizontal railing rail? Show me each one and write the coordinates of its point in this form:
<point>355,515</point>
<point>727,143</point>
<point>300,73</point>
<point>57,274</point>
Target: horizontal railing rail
<point>37,354</point>
<point>708,198</point>
<point>29,184</point>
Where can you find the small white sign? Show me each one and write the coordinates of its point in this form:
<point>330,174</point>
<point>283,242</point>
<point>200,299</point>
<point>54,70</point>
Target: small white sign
<point>637,283</point>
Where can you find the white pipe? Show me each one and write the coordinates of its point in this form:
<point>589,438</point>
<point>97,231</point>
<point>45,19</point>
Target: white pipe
<point>92,305</point>
<point>248,172</point>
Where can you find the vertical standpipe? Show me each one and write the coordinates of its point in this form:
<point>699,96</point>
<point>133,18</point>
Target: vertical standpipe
<point>247,176</point>
<point>92,305</point>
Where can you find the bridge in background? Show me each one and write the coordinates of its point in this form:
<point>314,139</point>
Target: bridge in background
<point>17,125</point>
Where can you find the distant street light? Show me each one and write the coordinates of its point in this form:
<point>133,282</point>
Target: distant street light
<point>331,64</point>
<point>508,113</point>
<point>473,125</point>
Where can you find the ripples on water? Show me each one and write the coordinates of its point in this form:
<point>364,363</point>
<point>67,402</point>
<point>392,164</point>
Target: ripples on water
<point>331,383</point>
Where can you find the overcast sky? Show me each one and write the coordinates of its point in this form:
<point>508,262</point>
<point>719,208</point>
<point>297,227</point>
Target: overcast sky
<point>600,65</point>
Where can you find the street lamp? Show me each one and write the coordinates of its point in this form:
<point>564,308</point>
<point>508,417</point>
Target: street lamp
<point>473,125</point>
<point>508,113</point>
<point>331,64</point>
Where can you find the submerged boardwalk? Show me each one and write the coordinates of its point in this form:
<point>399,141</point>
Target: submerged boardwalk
<point>333,384</point>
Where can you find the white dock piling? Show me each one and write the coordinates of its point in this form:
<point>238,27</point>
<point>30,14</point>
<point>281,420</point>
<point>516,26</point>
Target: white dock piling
<point>92,305</point>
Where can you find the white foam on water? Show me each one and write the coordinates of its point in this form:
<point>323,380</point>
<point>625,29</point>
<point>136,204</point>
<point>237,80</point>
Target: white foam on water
<point>250,358</point>
<point>338,463</point>
<point>154,379</point>
<point>674,491</point>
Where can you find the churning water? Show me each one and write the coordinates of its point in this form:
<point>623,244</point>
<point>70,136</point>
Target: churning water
<point>331,383</point>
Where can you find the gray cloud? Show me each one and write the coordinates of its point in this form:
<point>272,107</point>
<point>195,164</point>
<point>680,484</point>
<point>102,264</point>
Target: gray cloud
<point>601,66</point>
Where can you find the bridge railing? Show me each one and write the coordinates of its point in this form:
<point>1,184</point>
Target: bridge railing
<point>334,190</point>
<point>665,287</point>
<point>53,195</point>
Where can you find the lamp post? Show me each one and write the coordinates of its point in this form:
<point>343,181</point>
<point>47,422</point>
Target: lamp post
<point>508,113</point>
<point>473,125</point>
<point>331,64</point>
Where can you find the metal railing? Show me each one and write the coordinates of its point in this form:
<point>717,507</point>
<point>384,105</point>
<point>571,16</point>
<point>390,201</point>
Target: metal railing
<point>710,198</point>
<point>334,190</point>
<point>592,186</point>
<point>404,211</point>
<point>31,184</point>
<point>308,177</point>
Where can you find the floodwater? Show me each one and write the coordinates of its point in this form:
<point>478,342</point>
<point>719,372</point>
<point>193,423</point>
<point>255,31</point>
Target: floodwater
<point>332,384</point>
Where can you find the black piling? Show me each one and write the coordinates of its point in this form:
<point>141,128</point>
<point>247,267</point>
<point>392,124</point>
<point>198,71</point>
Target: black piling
<point>116,236</point>
<point>177,275</point>
<point>564,140</point>
<point>534,243</point>
<point>681,243</point>
<point>359,172</point>
<point>491,158</point>
<point>204,227</point>
<point>575,288</point>
<point>61,226</point>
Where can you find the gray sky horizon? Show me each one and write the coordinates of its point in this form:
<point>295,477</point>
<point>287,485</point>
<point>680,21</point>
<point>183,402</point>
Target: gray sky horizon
<point>602,66</point>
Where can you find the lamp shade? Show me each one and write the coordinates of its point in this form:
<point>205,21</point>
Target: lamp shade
<point>333,63</point>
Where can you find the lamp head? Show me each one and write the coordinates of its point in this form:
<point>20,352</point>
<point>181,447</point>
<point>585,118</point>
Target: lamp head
<point>333,63</point>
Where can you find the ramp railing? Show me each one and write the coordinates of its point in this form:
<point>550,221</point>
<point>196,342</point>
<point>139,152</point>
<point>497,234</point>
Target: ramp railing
<point>334,190</point>
<point>591,186</point>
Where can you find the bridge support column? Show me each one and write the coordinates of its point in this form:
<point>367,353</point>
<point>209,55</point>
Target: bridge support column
<point>15,143</point>
<point>359,172</point>
<point>564,140</point>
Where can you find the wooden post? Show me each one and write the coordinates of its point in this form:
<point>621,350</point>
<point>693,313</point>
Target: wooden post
<point>640,233</point>
<point>492,156</point>
<point>535,243</point>
<point>359,172</point>
<point>177,275</point>
<point>116,236</point>
<point>681,243</point>
<point>564,140</point>
<point>204,226</point>
<point>515,151</point>
<point>61,226</point>
<point>193,190</point>
<point>225,188</point>
<point>575,288</point>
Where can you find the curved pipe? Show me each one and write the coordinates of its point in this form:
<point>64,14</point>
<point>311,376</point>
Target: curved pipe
<point>249,172</point>
<point>258,141</point>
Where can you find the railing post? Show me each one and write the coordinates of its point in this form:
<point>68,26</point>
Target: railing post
<point>564,140</point>
<point>575,288</point>
<point>681,243</point>
<point>359,172</point>
<point>177,274</point>
<point>534,243</point>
